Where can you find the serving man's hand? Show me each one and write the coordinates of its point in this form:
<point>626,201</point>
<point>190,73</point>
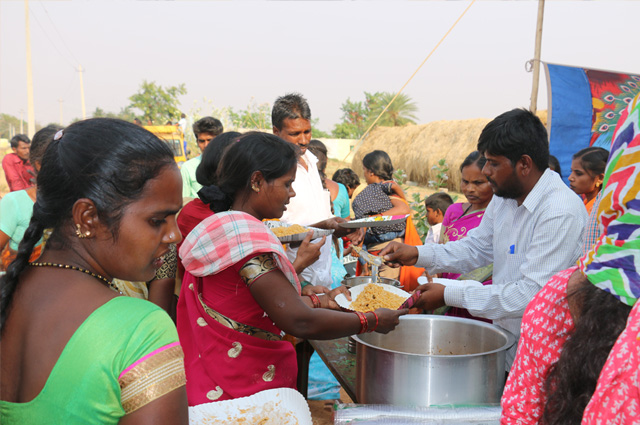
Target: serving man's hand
<point>397,254</point>
<point>432,296</point>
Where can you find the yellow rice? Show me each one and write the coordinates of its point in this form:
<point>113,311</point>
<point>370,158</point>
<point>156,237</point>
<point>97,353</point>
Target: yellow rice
<point>294,229</point>
<point>374,297</point>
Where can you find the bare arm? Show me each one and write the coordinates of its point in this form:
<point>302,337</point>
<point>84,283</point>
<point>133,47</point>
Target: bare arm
<point>291,314</point>
<point>400,207</point>
<point>170,409</point>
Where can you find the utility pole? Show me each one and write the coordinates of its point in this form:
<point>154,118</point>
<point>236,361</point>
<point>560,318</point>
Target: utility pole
<point>31,117</point>
<point>84,110</point>
<point>60,101</point>
<point>536,58</point>
<point>21,121</point>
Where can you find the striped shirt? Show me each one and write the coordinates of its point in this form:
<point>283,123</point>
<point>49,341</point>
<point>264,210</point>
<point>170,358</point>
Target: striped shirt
<point>527,244</point>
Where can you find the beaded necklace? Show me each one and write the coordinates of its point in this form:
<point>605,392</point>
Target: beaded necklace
<point>109,283</point>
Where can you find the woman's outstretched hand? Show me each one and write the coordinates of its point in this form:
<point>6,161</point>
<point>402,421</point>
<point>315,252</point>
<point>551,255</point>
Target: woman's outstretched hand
<point>308,253</point>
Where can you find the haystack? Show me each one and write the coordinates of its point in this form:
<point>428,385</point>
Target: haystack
<point>417,148</point>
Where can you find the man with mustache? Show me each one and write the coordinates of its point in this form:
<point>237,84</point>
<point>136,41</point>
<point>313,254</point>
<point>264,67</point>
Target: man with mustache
<point>532,229</point>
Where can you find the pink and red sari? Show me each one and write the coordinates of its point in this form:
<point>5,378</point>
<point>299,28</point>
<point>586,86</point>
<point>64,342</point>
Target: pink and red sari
<point>232,348</point>
<point>455,225</point>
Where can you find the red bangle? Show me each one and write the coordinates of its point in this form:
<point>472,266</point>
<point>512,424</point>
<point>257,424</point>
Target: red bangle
<point>376,326</point>
<point>364,324</point>
<point>315,300</point>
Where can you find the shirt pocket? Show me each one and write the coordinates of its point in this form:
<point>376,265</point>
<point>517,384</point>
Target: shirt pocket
<point>514,264</point>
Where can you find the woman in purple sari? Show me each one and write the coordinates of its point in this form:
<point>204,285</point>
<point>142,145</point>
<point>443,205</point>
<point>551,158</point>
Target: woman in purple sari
<point>462,217</point>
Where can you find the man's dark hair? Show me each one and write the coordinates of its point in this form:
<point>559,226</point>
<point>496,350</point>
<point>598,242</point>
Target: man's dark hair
<point>439,201</point>
<point>41,141</point>
<point>208,125</point>
<point>212,155</point>
<point>292,106</point>
<point>15,140</point>
<point>347,177</point>
<point>516,133</point>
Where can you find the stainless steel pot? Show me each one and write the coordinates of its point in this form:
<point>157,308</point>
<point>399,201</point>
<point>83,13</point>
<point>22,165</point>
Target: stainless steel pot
<point>350,282</point>
<point>432,360</point>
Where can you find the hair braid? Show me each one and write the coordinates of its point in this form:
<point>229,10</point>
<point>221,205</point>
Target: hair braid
<point>10,280</point>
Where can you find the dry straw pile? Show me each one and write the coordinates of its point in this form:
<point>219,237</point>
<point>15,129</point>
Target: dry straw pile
<point>417,148</point>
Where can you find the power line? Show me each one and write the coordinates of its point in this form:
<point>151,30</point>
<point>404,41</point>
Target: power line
<point>58,32</point>
<point>50,41</point>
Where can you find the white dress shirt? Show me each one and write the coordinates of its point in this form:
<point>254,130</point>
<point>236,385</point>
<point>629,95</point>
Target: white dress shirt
<point>311,204</point>
<point>527,244</point>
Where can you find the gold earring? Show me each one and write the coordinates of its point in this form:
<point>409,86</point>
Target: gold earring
<point>255,187</point>
<point>79,232</point>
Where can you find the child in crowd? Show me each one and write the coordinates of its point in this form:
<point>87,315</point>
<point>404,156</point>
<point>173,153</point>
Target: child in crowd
<point>436,206</point>
<point>348,178</point>
<point>587,173</point>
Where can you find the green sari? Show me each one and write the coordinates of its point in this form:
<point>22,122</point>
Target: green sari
<point>123,356</point>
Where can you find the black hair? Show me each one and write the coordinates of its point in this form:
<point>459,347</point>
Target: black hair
<point>319,146</point>
<point>211,156</point>
<point>292,106</point>
<point>379,163</point>
<point>593,159</point>
<point>207,125</point>
<point>347,177</point>
<point>15,140</point>
<point>106,160</point>
<point>474,157</point>
<point>438,201</point>
<point>40,141</point>
<point>322,161</point>
<point>255,151</point>
<point>514,134</point>
<point>554,164</point>
<point>571,382</point>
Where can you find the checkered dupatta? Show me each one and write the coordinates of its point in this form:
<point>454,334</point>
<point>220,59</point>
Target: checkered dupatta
<point>225,238</point>
<point>613,263</point>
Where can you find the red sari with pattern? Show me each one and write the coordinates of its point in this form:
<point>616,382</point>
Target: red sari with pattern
<point>546,325</point>
<point>221,362</point>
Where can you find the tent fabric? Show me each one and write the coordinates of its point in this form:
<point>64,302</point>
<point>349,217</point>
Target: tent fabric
<point>584,107</point>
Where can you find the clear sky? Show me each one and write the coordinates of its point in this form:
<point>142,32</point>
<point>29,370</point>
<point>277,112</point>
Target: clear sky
<point>230,52</point>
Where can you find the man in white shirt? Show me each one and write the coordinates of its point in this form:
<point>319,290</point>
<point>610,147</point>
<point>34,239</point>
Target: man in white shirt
<point>291,118</point>
<point>205,130</point>
<point>532,229</point>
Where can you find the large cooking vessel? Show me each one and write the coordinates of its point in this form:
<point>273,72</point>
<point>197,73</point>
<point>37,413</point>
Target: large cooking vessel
<point>432,360</point>
<point>350,282</point>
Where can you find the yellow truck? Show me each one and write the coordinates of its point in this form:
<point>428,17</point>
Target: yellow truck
<point>174,138</point>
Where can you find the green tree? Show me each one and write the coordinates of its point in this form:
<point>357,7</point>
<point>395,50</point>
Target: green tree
<point>358,116</point>
<point>256,116</point>
<point>124,114</point>
<point>157,103</point>
<point>402,111</point>
<point>11,125</point>
<point>354,117</point>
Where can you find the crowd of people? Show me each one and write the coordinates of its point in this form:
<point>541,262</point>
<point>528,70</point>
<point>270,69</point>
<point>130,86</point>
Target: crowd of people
<point>134,289</point>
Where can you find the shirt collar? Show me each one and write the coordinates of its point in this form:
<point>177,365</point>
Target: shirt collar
<point>535,197</point>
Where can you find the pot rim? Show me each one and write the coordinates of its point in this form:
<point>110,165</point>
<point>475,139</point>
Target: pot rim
<point>511,339</point>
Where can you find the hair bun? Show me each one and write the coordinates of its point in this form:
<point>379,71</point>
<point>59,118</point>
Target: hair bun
<point>215,198</point>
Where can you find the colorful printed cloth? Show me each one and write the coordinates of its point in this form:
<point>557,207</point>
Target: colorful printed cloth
<point>546,325</point>
<point>232,348</point>
<point>613,262</point>
<point>374,199</point>
<point>616,399</point>
<point>223,239</point>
